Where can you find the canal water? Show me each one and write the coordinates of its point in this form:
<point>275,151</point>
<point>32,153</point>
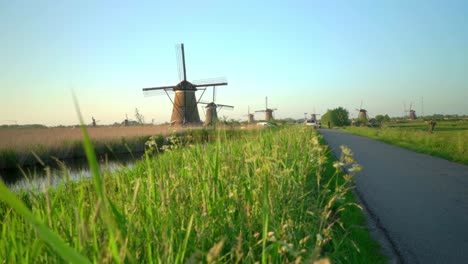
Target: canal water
<point>34,177</point>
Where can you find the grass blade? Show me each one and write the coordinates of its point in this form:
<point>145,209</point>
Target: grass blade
<point>66,252</point>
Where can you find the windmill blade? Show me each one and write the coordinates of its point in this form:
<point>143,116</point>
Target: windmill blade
<point>159,88</point>
<point>210,82</point>
<point>274,109</point>
<point>180,57</point>
<point>227,106</point>
<point>202,102</point>
<point>358,110</point>
<point>361,105</point>
<point>260,111</point>
<point>157,92</point>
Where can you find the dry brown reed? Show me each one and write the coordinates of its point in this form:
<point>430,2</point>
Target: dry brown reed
<point>23,138</point>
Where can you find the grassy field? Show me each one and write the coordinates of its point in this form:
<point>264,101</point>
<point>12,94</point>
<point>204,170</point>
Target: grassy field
<point>265,197</point>
<point>449,139</point>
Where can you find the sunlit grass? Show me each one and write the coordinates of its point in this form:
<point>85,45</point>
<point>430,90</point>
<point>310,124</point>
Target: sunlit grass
<point>448,141</point>
<point>270,196</point>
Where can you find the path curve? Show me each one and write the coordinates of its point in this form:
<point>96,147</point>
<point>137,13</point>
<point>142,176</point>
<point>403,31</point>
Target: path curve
<point>420,201</point>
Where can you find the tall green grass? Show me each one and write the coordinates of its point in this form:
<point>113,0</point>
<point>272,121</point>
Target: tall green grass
<point>269,196</point>
<point>448,142</point>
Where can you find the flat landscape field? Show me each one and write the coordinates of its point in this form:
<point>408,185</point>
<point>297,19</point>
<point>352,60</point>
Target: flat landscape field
<point>449,139</point>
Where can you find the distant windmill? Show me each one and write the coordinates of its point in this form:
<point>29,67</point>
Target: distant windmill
<point>268,111</point>
<point>250,116</point>
<point>411,112</point>
<point>362,113</point>
<point>313,116</point>
<point>185,104</point>
<point>212,109</point>
<point>94,123</point>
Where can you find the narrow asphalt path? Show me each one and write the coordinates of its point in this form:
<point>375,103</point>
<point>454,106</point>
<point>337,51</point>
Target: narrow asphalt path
<point>420,202</point>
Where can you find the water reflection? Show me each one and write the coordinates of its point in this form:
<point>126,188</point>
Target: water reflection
<point>35,177</point>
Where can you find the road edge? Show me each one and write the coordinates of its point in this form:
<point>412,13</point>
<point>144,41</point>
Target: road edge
<point>373,224</point>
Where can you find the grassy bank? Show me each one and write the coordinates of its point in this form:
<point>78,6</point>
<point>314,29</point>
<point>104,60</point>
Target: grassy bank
<point>264,197</point>
<point>448,141</point>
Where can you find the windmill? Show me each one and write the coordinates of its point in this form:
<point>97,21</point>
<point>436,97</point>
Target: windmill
<point>212,110</point>
<point>412,113</point>
<point>250,116</point>
<point>313,116</point>
<point>268,111</point>
<point>94,123</point>
<point>362,113</point>
<point>185,104</point>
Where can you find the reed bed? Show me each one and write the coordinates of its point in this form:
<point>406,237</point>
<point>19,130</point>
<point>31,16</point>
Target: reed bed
<point>30,146</point>
<point>270,197</point>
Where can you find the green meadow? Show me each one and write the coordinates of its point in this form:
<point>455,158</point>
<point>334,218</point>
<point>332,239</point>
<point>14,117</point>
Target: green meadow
<point>262,196</point>
<point>449,139</point>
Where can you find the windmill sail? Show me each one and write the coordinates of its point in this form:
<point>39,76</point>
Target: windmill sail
<point>185,104</point>
<point>210,82</point>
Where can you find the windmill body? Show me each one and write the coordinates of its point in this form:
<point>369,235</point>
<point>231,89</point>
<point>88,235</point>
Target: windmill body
<point>185,108</point>
<point>362,114</point>
<point>411,112</point>
<point>185,103</point>
<point>313,117</point>
<point>268,111</point>
<point>211,114</point>
<point>212,110</point>
<point>250,119</point>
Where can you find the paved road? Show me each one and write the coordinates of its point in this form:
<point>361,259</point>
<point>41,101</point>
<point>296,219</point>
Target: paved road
<point>420,201</point>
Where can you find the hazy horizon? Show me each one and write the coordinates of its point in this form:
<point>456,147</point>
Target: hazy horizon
<point>305,56</point>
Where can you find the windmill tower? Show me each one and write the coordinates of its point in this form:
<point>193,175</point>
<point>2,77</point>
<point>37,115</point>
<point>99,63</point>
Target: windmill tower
<point>250,117</point>
<point>212,110</point>
<point>185,104</point>
<point>362,113</point>
<point>268,111</point>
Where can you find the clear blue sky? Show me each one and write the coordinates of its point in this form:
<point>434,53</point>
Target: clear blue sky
<point>304,55</point>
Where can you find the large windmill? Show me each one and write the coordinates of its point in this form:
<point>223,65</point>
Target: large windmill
<point>185,104</point>
<point>268,111</point>
<point>212,109</point>
<point>362,113</point>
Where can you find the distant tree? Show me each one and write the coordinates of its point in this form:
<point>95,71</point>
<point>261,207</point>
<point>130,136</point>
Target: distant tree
<point>386,118</point>
<point>379,119</point>
<point>341,116</point>
<point>337,117</point>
